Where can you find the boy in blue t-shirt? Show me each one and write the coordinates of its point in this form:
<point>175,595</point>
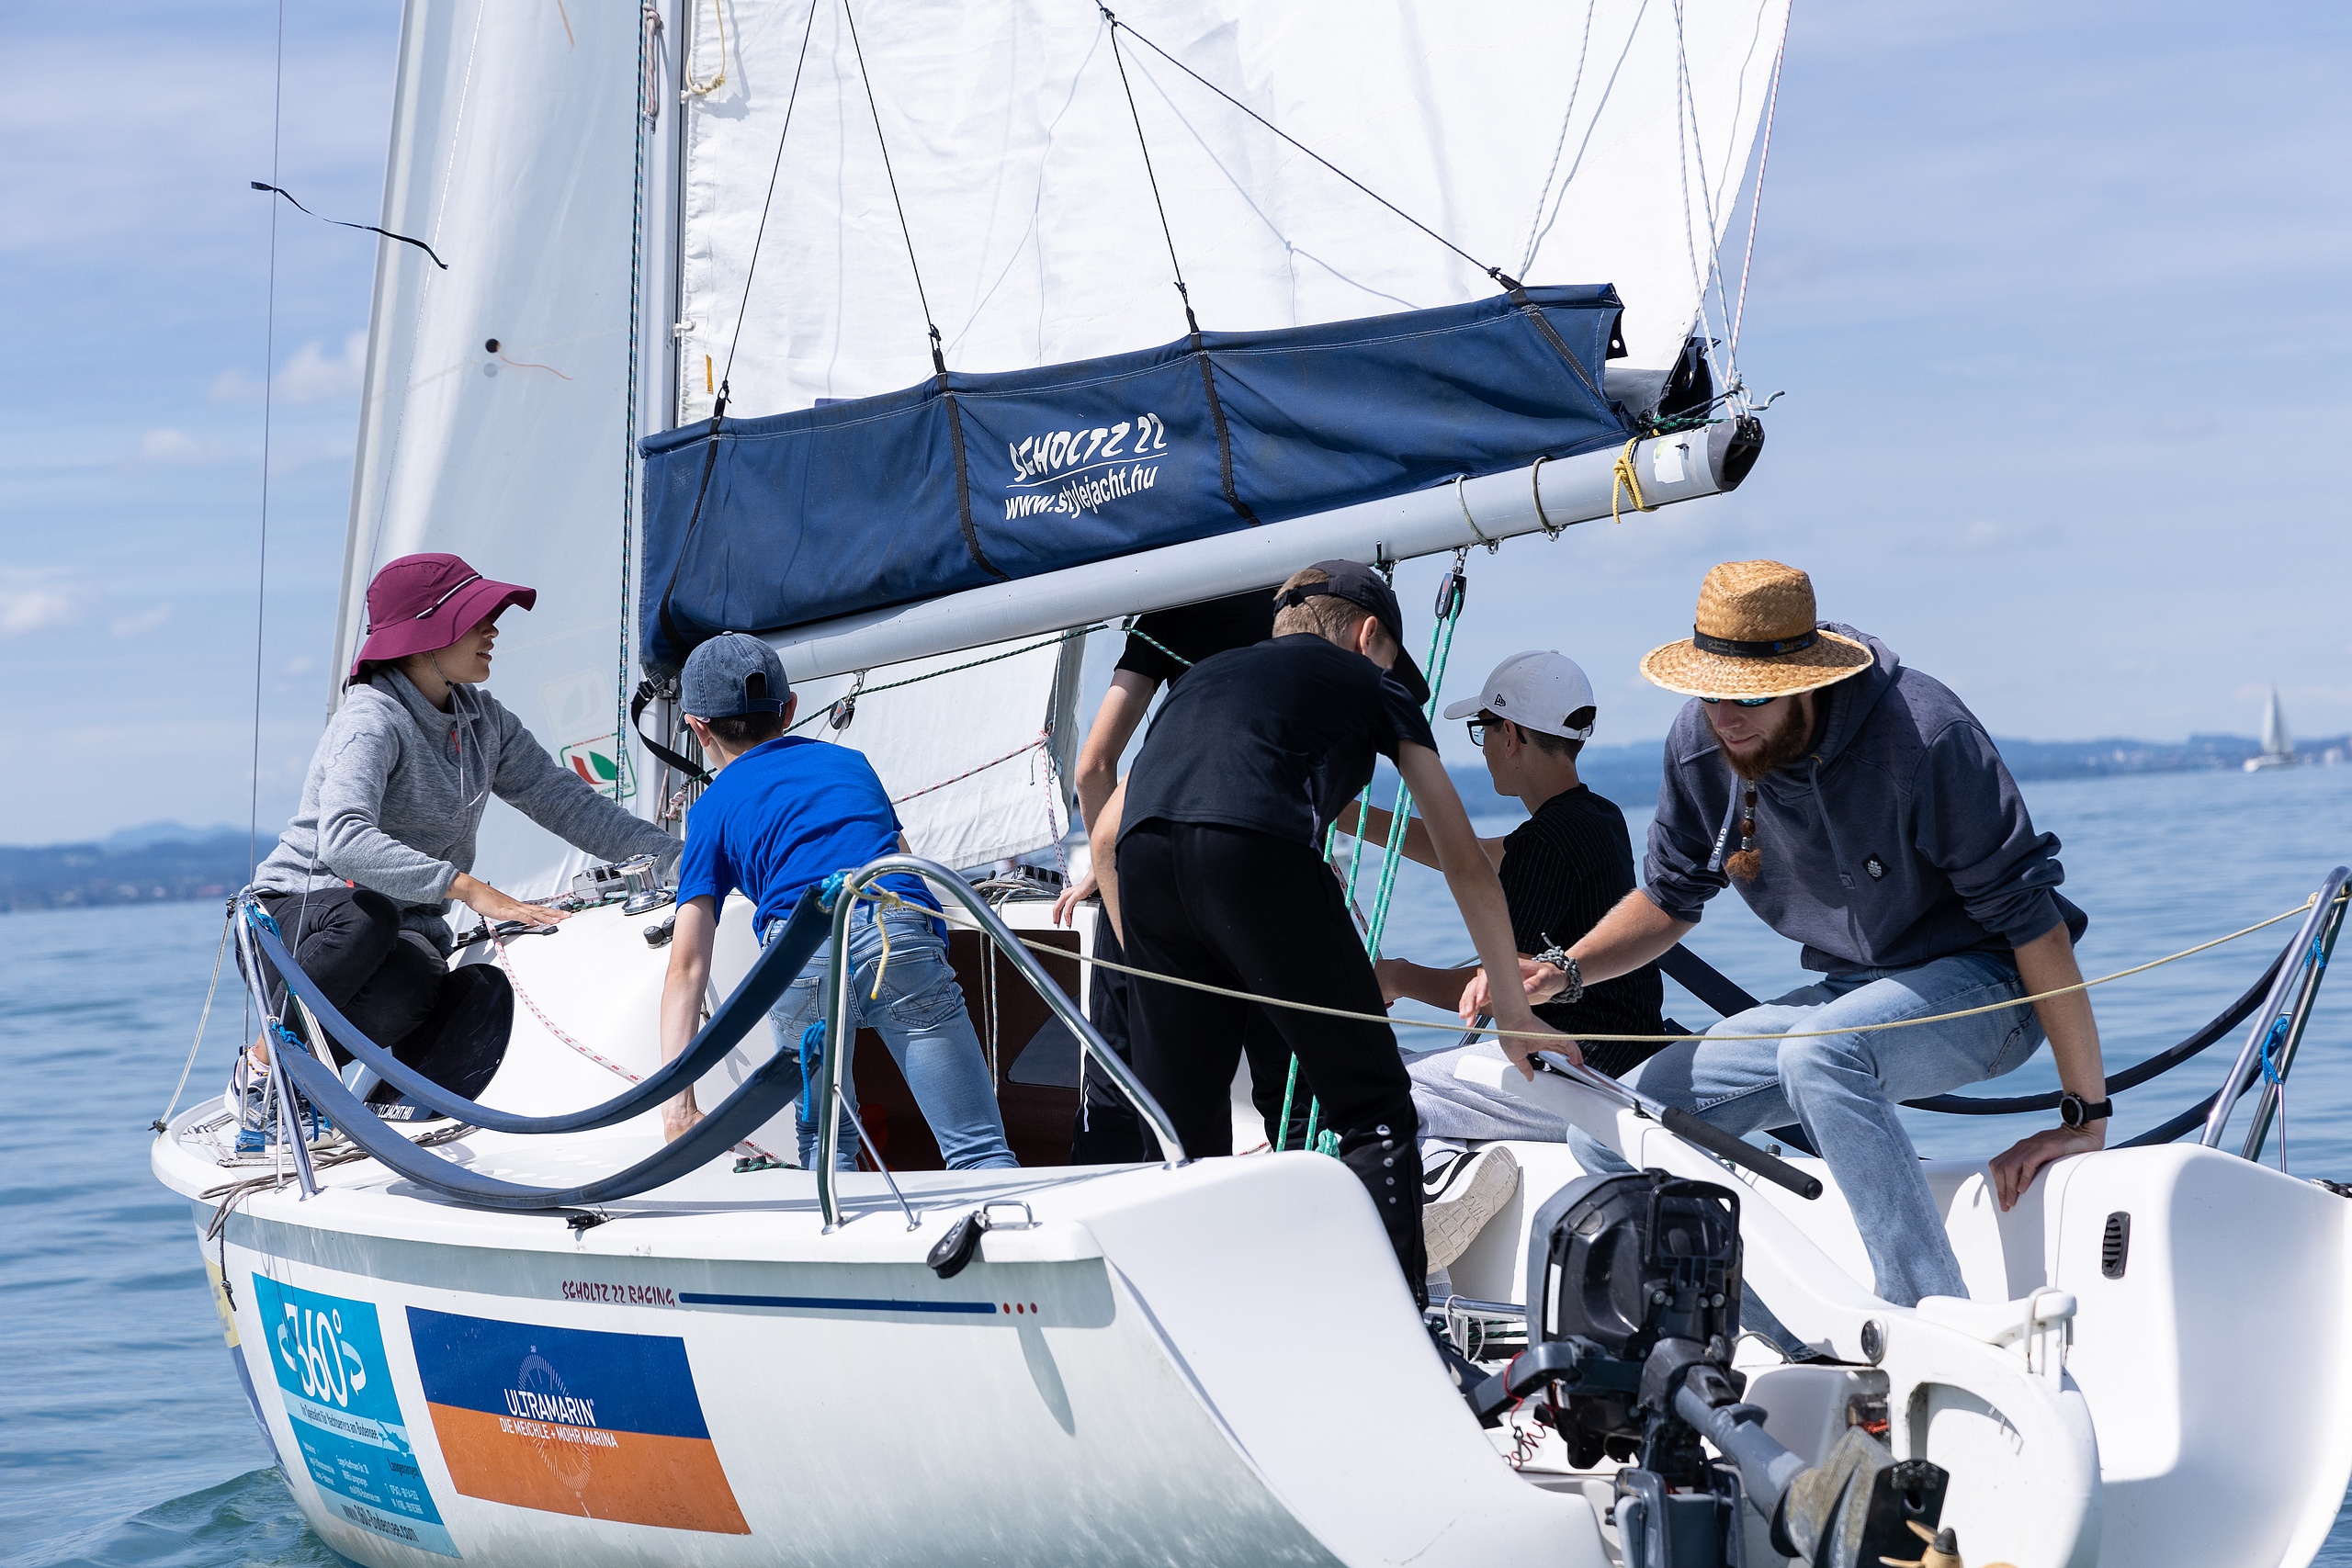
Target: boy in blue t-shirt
<point>782,813</point>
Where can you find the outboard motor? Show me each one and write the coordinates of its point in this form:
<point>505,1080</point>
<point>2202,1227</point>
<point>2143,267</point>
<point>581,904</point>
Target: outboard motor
<point>1633,1292</point>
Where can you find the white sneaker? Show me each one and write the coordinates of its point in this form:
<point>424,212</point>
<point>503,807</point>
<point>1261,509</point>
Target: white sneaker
<point>1462,1198</point>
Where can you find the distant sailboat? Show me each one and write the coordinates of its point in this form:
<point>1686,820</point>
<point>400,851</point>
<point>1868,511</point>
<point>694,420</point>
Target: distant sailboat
<point>2277,746</point>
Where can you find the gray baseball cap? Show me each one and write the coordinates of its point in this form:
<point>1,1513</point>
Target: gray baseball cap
<point>732,674</point>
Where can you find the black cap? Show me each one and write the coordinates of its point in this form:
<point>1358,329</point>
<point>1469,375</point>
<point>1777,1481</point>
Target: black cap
<point>1364,588</point>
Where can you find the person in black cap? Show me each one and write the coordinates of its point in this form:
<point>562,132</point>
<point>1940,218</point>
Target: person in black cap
<point>1213,851</point>
<point>1160,646</point>
<point>785,812</point>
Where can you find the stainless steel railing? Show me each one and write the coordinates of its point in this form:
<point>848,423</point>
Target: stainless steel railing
<point>2299,978</point>
<point>839,1005</point>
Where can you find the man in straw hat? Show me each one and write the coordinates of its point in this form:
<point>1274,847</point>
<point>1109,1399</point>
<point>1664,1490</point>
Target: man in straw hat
<point>1860,809</point>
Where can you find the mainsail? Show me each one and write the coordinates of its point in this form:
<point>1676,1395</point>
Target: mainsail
<point>599,184</point>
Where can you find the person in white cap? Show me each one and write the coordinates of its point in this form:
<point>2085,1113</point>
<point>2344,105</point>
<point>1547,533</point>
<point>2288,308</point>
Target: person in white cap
<point>1561,870</point>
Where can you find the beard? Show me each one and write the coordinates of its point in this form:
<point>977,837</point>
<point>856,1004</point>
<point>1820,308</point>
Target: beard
<point>1783,745</point>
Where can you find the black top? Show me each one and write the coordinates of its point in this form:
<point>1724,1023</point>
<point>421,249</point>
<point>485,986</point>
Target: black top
<point>1194,632</point>
<point>1277,738</point>
<point>1562,869</point>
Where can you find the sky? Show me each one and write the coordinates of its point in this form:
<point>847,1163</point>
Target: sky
<point>2055,293</point>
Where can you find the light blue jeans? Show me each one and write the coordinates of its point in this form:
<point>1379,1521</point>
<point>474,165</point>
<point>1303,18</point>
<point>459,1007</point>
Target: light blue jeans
<point>920,1015</point>
<point>1841,1089</point>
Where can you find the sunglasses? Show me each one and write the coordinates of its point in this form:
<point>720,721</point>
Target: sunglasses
<point>1481,728</point>
<point>1740,701</point>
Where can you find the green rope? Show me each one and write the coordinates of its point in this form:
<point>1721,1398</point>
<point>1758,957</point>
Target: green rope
<point>1392,853</point>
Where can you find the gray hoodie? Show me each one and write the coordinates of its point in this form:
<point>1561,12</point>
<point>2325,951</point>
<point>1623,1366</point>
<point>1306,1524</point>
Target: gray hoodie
<point>397,790</point>
<point>1899,839</point>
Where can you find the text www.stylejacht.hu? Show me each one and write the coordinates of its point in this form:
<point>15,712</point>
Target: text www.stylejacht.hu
<point>1075,496</point>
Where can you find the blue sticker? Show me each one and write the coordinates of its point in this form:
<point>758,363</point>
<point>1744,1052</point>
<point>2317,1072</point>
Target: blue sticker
<point>329,1356</point>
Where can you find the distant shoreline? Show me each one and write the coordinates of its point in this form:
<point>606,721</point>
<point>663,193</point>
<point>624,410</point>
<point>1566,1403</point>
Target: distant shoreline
<point>165,863</point>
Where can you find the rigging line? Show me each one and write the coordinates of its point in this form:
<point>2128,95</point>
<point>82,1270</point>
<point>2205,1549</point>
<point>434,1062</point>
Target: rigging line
<point>1149,173</point>
<point>1567,118</point>
<point>1607,91</point>
<point>372,229</point>
<point>886,895</point>
<point>1687,152</point>
<point>649,29</point>
<point>1496,273</point>
<point>1756,199</point>
<point>268,387</point>
<point>753,270</point>
<point>938,359</point>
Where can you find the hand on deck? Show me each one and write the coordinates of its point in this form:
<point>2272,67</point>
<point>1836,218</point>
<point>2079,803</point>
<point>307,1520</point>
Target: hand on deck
<point>2015,1168</point>
<point>491,905</point>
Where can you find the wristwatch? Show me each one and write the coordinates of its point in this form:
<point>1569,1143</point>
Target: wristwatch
<point>2078,1113</point>
<point>1557,957</point>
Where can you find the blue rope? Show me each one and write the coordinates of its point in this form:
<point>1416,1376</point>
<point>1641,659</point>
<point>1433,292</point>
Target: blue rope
<point>829,891</point>
<point>2278,1033</point>
<point>812,1051</point>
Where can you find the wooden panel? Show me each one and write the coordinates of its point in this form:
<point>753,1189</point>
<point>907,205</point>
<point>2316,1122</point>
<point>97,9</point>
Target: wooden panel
<point>1038,1120</point>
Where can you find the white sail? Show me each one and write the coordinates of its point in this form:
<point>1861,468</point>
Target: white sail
<point>497,417</point>
<point>2276,741</point>
<point>1607,146</point>
<point>1603,143</point>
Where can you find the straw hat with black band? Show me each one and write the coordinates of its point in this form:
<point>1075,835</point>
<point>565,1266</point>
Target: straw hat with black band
<point>1755,636</point>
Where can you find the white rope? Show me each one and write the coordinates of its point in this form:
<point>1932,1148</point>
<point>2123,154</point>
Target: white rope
<point>884,896</point>
<point>1756,201</point>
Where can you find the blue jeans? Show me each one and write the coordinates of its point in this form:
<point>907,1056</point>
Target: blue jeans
<point>920,1015</point>
<point>1842,1089</point>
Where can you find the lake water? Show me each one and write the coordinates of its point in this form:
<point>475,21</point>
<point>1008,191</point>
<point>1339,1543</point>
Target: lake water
<point>124,1439</point>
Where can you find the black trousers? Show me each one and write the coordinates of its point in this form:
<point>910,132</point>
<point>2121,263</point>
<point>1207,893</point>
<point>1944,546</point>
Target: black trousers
<point>1110,1132</point>
<point>394,986</point>
<point>1257,913</point>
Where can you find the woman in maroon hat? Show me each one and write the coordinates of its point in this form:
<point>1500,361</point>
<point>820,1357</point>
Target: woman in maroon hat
<point>363,878</point>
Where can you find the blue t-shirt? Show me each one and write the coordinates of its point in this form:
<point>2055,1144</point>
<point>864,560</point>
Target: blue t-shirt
<point>786,814</point>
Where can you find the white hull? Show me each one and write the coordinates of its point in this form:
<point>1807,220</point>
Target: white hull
<point>1205,1365</point>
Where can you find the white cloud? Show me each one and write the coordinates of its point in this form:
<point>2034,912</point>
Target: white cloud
<point>142,623</point>
<point>24,610</point>
<point>168,444</point>
<point>309,376</point>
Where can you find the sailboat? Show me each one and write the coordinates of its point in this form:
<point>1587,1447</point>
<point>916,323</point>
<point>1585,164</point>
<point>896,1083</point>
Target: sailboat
<point>2277,746</point>
<point>754,315</point>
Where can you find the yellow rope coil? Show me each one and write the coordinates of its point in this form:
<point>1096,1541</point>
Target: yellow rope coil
<point>704,89</point>
<point>1625,482</point>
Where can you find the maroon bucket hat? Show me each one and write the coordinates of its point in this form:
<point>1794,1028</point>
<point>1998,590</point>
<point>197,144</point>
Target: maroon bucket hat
<point>424,604</point>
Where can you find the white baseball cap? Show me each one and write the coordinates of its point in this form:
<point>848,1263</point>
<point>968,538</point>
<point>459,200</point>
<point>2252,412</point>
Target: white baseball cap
<point>1534,691</point>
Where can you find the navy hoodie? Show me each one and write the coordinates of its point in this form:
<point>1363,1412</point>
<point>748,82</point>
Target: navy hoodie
<point>1900,839</point>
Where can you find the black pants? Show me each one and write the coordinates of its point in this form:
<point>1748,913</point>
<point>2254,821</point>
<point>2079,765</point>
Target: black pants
<point>394,986</point>
<point>1260,914</point>
<point>1110,1132</point>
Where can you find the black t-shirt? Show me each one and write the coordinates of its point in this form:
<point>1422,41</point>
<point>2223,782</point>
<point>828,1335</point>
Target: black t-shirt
<point>1194,632</point>
<point>1562,869</point>
<point>1277,738</point>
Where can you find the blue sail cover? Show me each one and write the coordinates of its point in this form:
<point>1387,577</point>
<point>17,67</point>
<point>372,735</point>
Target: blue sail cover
<point>886,500</point>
